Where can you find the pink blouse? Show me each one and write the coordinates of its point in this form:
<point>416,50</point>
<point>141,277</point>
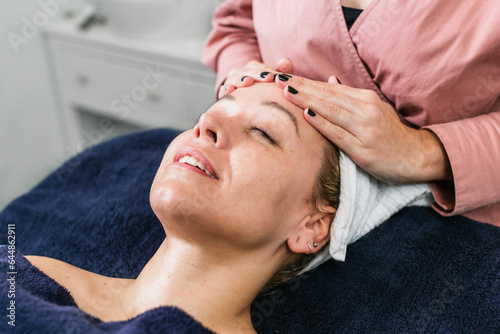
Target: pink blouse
<point>437,62</point>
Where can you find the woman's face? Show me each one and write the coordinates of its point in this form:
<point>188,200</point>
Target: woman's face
<point>260,160</point>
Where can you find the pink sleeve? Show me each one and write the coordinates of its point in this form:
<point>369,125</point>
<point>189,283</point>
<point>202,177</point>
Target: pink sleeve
<point>473,147</point>
<point>232,41</point>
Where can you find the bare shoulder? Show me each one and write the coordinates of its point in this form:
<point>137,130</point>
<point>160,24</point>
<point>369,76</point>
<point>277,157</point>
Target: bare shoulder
<point>63,273</point>
<point>92,292</point>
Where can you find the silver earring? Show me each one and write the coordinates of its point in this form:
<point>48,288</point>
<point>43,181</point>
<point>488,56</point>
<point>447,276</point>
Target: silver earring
<point>315,244</point>
<point>310,249</point>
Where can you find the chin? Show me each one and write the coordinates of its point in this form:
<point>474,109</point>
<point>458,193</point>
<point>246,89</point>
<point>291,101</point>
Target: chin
<point>165,199</point>
<point>176,200</point>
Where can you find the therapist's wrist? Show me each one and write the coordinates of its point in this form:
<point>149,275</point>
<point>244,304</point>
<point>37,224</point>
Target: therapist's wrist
<point>434,162</point>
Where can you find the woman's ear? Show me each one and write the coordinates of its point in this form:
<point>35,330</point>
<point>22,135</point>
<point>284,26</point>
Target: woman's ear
<point>313,232</point>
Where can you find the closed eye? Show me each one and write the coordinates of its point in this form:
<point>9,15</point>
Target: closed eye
<point>264,134</point>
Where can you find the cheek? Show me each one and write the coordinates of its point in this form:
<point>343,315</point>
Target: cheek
<point>269,191</point>
<point>256,173</point>
<point>280,205</point>
<point>173,198</point>
<point>296,188</point>
<point>292,198</point>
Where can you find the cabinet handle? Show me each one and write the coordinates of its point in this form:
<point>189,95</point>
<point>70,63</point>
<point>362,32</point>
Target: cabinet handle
<point>82,79</point>
<point>154,97</point>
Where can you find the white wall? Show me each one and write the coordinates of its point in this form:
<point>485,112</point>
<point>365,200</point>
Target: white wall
<point>30,136</point>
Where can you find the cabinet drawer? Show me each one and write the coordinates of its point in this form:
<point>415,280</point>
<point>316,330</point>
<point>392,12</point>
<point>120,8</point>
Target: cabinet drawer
<point>141,93</point>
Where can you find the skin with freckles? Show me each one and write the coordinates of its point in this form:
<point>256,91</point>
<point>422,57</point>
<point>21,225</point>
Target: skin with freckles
<point>228,233</point>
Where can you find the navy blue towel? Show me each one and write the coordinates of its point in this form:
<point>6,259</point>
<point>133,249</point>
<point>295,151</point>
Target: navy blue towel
<point>37,304</point>
<point>416,273</point>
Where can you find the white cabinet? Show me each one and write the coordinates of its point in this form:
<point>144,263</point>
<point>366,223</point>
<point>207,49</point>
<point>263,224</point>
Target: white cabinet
<point>108,85</point>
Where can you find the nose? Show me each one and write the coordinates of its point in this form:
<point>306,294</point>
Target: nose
<point>210,128</point>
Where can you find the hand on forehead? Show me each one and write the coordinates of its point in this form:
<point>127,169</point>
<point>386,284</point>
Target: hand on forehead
<point>269,94</point>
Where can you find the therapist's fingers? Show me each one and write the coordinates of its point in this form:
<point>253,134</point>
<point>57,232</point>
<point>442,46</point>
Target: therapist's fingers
<point>335,107</point>
<point>323,90</point>
<point>285,65</point>
<point>245,76</point>
<point>254,71</point>
<point>367,129</point>
<point>240,78</point>
<point>225,89</point>
<point>336,134</point>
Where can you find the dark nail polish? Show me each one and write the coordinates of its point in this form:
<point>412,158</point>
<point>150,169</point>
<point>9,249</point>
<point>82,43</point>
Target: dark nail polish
<point>310,112</point>
<point>243,79</point>
<point>283,78</point>
<point>292,90</point>
<point>264,75</point>
<point>286,75</point>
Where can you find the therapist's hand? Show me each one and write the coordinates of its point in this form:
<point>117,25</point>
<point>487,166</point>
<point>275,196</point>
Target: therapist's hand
<point>253,71</point>
<point>369,131</point>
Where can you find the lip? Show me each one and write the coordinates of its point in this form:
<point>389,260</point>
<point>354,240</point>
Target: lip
<point>198,155</point>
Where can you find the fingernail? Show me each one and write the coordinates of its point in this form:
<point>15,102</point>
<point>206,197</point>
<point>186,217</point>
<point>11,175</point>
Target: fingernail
<point>292,90</point>
<point>243,79</point>
<point>286,75</point>
<point>283,78</point>
<point>310,112</point>
<point>264,75</point>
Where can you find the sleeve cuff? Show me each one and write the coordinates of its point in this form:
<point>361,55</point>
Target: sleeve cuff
<point>473,147</point>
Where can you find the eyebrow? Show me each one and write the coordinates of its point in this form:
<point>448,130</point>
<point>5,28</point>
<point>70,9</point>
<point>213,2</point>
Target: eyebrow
<point>228,97</point>
<point>271,104</point>
<point>279,107</point>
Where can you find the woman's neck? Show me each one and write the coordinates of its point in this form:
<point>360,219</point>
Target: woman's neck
<point>359,4</point>
<point>215,290</point>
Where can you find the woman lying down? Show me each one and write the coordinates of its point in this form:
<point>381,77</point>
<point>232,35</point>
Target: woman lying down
<point>246,199</point>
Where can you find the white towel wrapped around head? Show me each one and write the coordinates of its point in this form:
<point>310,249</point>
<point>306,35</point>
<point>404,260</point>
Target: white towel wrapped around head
<point>365,203</point>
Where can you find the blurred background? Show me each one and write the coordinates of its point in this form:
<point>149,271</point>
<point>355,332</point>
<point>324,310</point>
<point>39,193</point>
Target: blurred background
<point>74,73</point>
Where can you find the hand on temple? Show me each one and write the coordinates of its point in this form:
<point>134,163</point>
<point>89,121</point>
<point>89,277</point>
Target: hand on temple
<point>253,71</point>
<point>369,131</point>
